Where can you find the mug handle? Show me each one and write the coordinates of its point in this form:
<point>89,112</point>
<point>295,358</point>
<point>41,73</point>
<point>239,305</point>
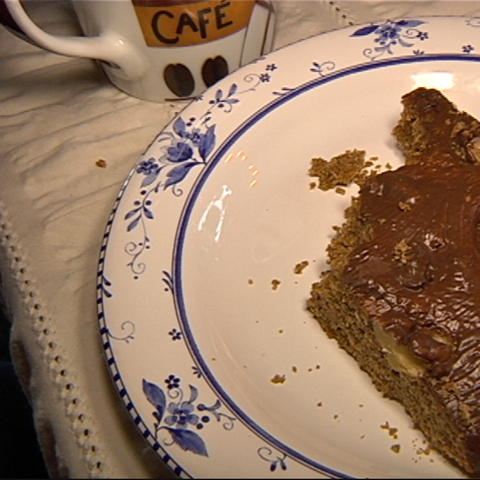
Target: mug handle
<point>110,48</point>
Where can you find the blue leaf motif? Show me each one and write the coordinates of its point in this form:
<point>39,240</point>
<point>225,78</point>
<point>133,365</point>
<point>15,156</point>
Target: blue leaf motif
<point>232,90</point>
<point>156,397</point>
<point>207,143</point>
<point>133,224</point>
<point>188,441</point>
<point>410,23</point>
<point>361,32</point>
<point>148,213</point>
<point>177,174</point>
<point>150,178</point>
<point>193,394</point>
<point>131,213</point>
<point>179,127</point>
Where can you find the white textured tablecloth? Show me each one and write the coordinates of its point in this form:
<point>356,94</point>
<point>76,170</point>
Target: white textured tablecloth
<point>58,116</point>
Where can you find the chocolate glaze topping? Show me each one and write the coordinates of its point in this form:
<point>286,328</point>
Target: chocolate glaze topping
<point>418,277</point>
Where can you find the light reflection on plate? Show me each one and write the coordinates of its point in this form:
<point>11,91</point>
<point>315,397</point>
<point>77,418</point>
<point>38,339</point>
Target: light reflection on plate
<point>200,311</point>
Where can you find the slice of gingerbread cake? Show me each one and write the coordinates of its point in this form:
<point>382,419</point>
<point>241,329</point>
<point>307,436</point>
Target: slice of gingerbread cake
<point>402,289</point>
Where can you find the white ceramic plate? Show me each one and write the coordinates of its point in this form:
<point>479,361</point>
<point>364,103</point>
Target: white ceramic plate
<point>219,207</point>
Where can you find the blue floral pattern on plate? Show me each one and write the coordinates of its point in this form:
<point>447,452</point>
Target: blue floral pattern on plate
<point>391,34</point>
<point>188,145</point>
<point>181,414</point>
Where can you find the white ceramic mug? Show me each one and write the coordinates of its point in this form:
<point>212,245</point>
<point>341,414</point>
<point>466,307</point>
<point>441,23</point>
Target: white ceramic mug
<point>161,50</point>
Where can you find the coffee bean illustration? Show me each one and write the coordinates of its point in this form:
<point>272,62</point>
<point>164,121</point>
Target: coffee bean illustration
<point>214,69</point>
<point>179,79</point>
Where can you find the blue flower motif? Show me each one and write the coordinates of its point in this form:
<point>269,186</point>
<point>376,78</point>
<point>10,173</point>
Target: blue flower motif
<point>148,167</point>
<point>181,414</point>
<point>179,151</point>
<point>175,334</point>
<point>390,34</point>
<point>265,77</point>
<point>195,136</point>
<point>468,48</point>
<point>271,67</point>
<point>172,382</point>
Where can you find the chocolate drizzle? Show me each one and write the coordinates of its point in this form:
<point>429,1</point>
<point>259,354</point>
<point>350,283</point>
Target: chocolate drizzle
<point>419,275</point>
